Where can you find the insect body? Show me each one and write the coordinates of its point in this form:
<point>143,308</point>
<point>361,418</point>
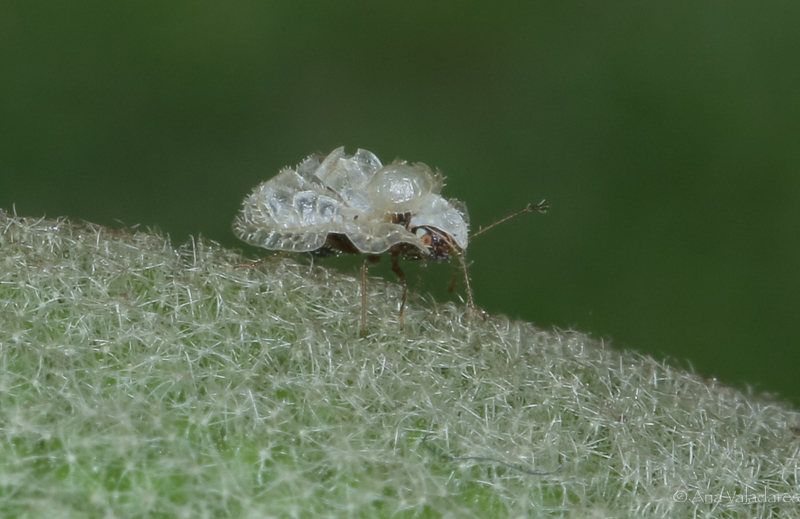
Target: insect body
<point>355,204</point>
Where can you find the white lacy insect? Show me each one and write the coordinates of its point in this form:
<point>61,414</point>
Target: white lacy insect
<point>355,204</point>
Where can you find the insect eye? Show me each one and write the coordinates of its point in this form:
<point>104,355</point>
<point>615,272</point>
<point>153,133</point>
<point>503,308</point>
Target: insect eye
<point>426,237</point>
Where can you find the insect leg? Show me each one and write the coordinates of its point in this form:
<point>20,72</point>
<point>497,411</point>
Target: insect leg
<point>397,270</point>
<point>364,299</point>
<point>367,260</point>
<point>422,266</point>
<point>453,281</point>
<point>470,300</point>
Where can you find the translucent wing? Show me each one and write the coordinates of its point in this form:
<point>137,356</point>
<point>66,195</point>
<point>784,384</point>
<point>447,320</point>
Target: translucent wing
<point>288,213</point>
<point>297,209</point>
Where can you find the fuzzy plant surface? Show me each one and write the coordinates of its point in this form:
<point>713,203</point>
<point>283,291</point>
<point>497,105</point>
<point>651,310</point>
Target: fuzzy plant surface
<point>137,380</point>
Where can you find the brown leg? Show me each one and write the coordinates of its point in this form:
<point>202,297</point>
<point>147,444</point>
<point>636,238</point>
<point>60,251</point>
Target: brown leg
<point>470,300</point>
<point>422,266</point>
<point>453,281</point>
<point>364,299</point>
<point>367,260</point>
<point>397,270</point>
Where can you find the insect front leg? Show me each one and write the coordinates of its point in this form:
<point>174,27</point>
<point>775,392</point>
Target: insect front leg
<point>422,266</point>
<point>372,258</point>
<point>397,270</point>
<point>453,281</point>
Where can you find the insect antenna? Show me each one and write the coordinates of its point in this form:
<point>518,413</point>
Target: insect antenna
<point>541,207</point>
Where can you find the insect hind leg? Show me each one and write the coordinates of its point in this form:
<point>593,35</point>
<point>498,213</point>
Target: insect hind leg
<point>373,258</point>
<point>400,274</point>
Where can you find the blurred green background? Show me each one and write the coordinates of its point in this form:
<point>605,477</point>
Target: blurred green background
<point>665,136</point>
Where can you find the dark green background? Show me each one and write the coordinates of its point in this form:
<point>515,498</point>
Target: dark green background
<point>665,135</point>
